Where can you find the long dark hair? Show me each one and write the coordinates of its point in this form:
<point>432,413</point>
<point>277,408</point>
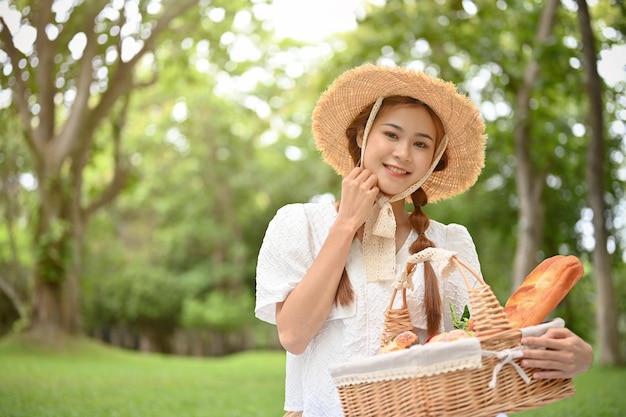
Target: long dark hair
<point>418,219</point>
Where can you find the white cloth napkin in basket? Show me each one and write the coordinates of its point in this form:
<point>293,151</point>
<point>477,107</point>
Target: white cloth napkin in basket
<point>417,361</point>
<point>424,360</point>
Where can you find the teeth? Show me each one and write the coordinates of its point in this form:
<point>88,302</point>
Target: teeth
<point>396,170</point>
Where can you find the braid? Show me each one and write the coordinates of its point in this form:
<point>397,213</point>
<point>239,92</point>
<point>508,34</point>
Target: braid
<point>345,292</point>
<point>432,298</point>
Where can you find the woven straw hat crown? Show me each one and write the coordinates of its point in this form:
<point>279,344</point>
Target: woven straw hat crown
<point>357,88</point>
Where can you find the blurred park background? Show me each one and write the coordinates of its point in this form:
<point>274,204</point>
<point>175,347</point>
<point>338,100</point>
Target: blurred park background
<point>146,144</point>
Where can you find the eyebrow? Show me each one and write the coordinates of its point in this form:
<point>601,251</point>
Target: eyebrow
<point>420,134</point>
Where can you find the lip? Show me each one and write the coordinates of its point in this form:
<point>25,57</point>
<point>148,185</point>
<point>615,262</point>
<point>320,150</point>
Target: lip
<point>396,171</point>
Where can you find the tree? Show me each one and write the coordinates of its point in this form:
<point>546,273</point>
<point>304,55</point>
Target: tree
<point>65,101</point>
<point>530,179</point>
<point>607,313</point>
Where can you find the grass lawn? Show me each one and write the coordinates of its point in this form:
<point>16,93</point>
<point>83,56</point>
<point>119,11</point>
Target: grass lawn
<point>85,379</point>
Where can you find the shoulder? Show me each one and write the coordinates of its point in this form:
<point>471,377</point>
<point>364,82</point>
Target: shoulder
<point>299,211</point>
<point>451,230</point>
<point>454,237</point>
<point>300,215</point>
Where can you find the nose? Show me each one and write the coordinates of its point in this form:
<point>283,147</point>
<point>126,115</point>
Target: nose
<point>402,150</point>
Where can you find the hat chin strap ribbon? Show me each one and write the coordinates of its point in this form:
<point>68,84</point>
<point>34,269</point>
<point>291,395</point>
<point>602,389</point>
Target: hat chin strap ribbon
<point>379,246</point>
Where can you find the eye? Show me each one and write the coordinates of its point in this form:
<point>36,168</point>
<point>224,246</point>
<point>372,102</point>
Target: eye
<point>420,144</point>
<point>391,134</point>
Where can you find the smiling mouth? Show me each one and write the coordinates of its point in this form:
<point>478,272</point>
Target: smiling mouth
<point>396,170</point>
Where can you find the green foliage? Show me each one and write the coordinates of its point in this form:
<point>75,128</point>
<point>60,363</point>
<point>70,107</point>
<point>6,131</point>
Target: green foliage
<point>463,321</point>
<point>142,296</point>
<point>219,311</point>
<point>53,251</point>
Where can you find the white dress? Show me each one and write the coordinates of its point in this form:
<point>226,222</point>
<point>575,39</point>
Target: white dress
<point>292,241</point>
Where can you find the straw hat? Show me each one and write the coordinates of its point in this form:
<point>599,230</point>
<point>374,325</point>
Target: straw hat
<point>357,88</point>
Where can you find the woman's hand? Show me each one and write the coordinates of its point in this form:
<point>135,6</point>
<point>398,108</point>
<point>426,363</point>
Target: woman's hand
<point>559,354</point>
<point>358,194</point>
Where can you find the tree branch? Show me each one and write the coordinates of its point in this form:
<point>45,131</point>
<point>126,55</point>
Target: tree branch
<point>44,74</point>
<point>7,288</point>
<point>120,170</point>
<point>69,136</point>
<point>20,94</point>
<point>122,79</point>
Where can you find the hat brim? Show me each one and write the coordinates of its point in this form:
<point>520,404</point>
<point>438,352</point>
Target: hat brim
<point>357,88</point>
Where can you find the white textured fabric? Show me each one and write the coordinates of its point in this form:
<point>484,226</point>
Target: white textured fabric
<point>417,361</point>
<point>542,328</point>
<point>292,241</point>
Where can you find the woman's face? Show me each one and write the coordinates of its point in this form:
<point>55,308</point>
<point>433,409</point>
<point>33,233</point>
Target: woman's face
<point>400,147</point>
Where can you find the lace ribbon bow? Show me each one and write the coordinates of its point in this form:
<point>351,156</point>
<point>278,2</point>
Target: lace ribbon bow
<point>440,259</point>
<point>506,357</point>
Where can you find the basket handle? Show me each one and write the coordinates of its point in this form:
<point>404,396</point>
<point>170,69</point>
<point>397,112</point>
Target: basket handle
<point>403,282</point>
<point>462,264</point>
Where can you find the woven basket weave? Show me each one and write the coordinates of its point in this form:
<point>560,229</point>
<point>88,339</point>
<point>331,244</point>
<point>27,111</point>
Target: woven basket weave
<point>462,392</point>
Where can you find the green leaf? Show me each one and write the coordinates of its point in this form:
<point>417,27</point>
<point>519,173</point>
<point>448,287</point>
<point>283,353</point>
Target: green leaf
<point>463,322</point>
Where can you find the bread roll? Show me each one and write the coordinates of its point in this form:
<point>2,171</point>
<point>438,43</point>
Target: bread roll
<point>402,341</point>
<point>542,290</point>
<point>450,336</point>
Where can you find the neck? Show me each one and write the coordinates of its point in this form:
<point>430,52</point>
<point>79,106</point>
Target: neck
<point>400,213</point>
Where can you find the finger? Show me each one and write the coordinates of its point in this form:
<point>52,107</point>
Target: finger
<point>543,359</point>
<point>370,183</point>
<point>558,333</point>
<point>548,369</point>
<point>366,179</point>
<point>359,176</point>
<point>365,175</point>
<point>553,333</point>
<point>544,363</point>
<point>550,375</point>
<point>544,342</point>
<point>356,171</point>
<point>375,190</point>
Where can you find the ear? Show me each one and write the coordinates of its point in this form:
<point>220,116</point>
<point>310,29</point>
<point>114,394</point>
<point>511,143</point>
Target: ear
<point>359,137</point>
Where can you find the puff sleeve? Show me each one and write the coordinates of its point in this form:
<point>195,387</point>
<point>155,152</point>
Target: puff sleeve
<point>285,256</point>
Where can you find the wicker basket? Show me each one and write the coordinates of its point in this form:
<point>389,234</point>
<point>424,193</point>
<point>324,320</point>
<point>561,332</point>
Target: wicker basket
<point>444,392</point>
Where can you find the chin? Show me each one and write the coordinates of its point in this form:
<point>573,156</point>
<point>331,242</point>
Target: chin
<point>390,192</point>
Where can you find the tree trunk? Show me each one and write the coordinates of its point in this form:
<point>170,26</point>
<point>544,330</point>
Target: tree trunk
<point>55,304</point>
<point>61,147</point>
<point>606,315</point>
<point>530,180</point>
<point>47,313</point>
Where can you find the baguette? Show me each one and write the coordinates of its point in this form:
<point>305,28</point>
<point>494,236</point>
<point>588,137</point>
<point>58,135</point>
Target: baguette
<point>542,290</point>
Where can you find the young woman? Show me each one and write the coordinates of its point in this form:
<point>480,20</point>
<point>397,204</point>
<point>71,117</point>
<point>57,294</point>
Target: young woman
<point>325,271</point>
